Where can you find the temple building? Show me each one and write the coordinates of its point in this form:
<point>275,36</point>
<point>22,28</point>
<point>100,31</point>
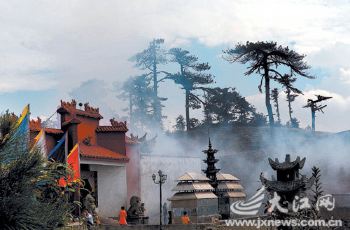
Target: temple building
<point>194,195</point>
<point>226,186</point>
<point>290,182</point>
<point>229,190</point>
<point>104,150</point>
<point>223,187</point>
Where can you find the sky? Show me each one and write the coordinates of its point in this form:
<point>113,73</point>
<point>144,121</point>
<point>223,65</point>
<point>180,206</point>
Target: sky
<point>53,50</point>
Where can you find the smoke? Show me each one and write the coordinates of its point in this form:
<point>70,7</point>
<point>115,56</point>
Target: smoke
<point>243,151</point>
<point>99,93</point>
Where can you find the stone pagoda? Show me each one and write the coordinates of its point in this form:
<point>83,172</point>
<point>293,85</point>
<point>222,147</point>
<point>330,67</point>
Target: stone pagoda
<point>206,196</point>
<point>290,183</point>
<point>226,186</point>
<point>210,161</point>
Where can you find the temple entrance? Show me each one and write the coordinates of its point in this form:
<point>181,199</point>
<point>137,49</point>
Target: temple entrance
<point>90,182</point>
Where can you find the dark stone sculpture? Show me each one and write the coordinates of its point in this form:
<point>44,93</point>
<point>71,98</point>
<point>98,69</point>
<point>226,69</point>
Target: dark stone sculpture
<point>136,212</point>
<point>288,185</point>
<point>290,182</point>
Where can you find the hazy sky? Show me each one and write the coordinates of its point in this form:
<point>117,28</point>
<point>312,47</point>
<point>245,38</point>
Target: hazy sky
<point>52,50</point>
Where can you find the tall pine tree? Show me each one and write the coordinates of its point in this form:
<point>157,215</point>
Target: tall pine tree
<point>149,61</point>
<point>274,94</point>
<point>287,81</point>
<point>266,60</point>
<point>192,76</point>
<point>140,97</point>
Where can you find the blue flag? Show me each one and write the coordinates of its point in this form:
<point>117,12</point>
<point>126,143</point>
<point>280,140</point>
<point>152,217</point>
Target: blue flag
<point>58,153</point>
<point>22,124</point>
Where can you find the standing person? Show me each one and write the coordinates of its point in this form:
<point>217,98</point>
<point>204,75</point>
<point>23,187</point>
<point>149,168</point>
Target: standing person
<point>165,213</point>
<point>185,219</point>
<point>122,216</point>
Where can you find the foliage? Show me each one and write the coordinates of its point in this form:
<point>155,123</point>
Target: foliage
<point>294,123</point>
<point>287,81</point>
<point>30,197</point>
<point>274,94</point>
<point>149,60</point>
<point>317,187</point>
<point>192,76</point>
<point>227,106</point>
<point>265,59</point>
<point>154,54</point>
<point>180,123</point>
<point>194,122</point>
<point>7,120</point>
<point>137,91</point>
<point>258,119</point>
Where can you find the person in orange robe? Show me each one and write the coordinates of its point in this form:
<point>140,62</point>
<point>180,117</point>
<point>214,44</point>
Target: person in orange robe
<point>185,219</point>
<point>122,216</point>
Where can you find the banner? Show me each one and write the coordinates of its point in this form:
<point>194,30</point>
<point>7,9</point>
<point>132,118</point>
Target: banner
<point>73,161</point>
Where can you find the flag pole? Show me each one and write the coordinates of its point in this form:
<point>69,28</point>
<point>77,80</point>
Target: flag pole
<point>66,146</point>
<point>79,178</point>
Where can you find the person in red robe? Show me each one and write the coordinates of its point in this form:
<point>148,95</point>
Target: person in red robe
<point>122,216</point>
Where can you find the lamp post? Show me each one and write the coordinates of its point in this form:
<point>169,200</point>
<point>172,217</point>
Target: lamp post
<point>160,179</point>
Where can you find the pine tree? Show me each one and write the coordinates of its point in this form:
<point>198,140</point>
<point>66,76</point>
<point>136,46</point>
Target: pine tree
<point>264,58</point>
<point>192,76</point>
<point>258,119</point>
<point>149,60</point>
<point>315,106</point>
<point>7,120</point>
<point>227,106</point>
<point>287,81</point>
<point>137,91</point>
<point>30,197</point>
<point>180,123</point>
<point>275,100</point>
<point>317,186</point>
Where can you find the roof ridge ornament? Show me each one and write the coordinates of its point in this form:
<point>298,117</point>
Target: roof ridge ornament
<point>66,104</point>
<point>88,108</point>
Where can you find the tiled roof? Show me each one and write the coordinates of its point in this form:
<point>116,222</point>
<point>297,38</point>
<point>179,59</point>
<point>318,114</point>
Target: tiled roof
<point>192,176</point>
<point>105,128</point>
<point>193,186</point>
<point>88,114</point>
<point>114,127</point>
<point>193,196</point>
<point>131,141</point>
<point>74,120</point>
<point>226,177</point>
<point>98,152</point>
<point>234,194</point>
<point>229,185</point>
<point>35,125</point>
<point>53,131</point>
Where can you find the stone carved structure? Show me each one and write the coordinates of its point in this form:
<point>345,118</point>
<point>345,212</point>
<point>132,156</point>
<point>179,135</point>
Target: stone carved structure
<point>136,211</point>
<point>290,182</point>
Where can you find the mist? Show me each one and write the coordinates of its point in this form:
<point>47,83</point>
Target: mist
<point>243,150</point>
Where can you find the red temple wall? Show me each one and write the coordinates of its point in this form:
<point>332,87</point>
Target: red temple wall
<point>114,141</point>
<point>50,142</point>
<point>86,129</point>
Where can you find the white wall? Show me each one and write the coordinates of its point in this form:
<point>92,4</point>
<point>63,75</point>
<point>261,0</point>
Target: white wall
<point>112,190</point>
<point>170,165</point>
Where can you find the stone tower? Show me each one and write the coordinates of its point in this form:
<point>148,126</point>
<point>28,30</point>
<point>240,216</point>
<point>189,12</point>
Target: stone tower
<point>211,170</point>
